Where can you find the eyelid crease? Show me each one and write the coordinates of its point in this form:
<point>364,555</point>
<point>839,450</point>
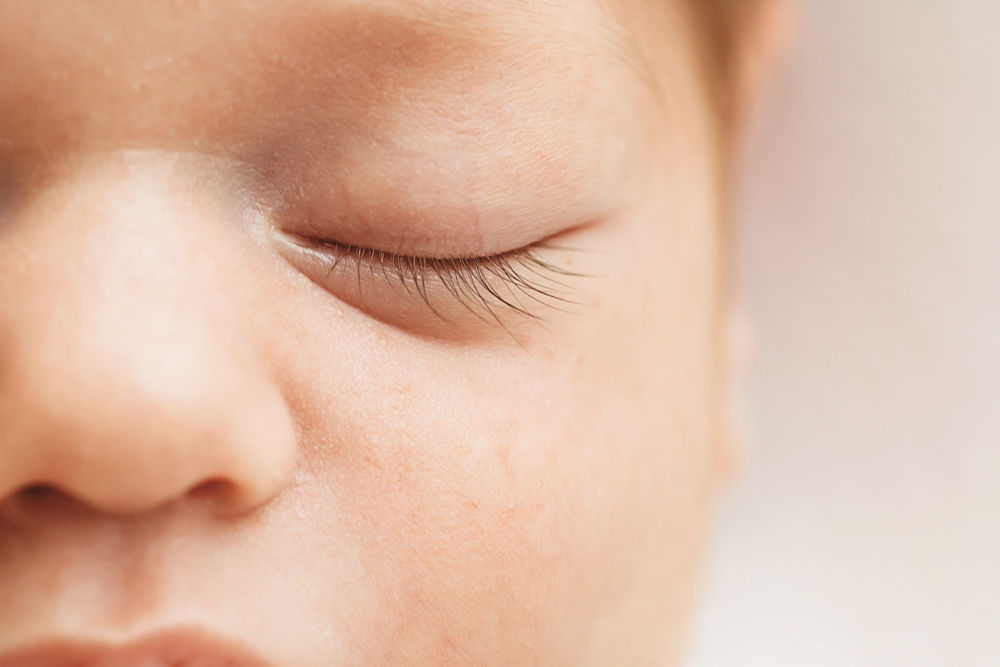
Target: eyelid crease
<point>515,281</point>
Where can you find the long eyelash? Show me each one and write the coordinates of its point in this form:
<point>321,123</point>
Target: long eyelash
<point>504,280</point>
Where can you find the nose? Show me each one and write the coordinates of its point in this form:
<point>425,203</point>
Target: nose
<point>131,375</point>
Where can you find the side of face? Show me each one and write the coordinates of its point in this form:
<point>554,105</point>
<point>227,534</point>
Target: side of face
<point>355,333</point>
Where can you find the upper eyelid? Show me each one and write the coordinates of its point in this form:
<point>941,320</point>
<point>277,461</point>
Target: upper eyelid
<point>483,282</point>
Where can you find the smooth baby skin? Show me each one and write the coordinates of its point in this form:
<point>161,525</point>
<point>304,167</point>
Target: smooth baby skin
<point>240,398</point>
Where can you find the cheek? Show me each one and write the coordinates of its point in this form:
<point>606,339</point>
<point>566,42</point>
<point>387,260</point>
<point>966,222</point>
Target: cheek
<point>454,491</point>
<point>468,500</point>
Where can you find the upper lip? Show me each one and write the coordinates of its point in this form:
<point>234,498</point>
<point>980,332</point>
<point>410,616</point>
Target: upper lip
<point>175,648</point>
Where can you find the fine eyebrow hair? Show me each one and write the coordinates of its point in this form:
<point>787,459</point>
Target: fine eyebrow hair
<point>261,60</point>
<point>414,36</point>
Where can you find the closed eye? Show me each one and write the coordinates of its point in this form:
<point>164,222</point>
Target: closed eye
<point>522,281</point>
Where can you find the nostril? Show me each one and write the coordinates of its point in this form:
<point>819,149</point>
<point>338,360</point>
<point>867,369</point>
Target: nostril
<point>220,494</point>
<point>39,502</point>
<point>37,493</point>
<point>37,497</point>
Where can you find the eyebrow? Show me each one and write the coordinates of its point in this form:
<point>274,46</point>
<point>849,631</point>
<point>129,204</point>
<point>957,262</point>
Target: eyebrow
<point>404,39</point>
<point>323,51</point>
<point>389,54</point>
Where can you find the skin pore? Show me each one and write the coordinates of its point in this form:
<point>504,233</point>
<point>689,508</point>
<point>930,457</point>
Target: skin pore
<point>259,384</point>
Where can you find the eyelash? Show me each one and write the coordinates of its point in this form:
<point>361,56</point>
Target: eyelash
<point>474,282</point>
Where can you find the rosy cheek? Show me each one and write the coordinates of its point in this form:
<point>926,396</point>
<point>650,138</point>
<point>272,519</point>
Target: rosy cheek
<point>447,475</point>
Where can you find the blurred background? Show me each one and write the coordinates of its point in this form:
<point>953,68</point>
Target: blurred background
<point>865,529</point>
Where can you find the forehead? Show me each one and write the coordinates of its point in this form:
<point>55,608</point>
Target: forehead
<point>156,68</point>
<point>185,25</point>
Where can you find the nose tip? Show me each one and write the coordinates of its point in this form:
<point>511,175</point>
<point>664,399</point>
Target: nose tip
<point>134,368</point>
<point>229,451</point>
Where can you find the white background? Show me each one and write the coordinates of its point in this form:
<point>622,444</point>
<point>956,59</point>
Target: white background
<point>866,527</point>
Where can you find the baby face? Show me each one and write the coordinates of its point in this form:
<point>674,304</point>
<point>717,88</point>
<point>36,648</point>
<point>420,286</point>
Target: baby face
<point>339,332</point>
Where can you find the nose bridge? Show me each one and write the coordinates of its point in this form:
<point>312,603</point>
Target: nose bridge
<point>128,377</point>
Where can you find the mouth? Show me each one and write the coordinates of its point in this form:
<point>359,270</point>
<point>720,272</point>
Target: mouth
<point>180,648</point>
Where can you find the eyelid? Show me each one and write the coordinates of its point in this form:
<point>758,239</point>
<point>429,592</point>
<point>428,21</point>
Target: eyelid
<point>521,281</point>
